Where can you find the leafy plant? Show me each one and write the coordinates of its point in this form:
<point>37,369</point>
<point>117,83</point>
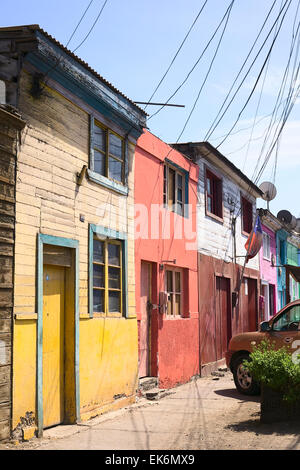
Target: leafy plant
<point>275,369</point>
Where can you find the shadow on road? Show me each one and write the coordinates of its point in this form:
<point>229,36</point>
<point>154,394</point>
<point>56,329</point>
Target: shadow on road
<point>233,393</point>
<point>254,425</point>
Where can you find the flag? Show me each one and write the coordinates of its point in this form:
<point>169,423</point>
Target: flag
<point>254,242</point>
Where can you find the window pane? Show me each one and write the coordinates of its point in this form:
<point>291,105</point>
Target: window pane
<point>179,181</point>
<point>169,281</point>
<point>171,187</point>
<point>114,254</point>
<point>209,204</point>
<point>115,169</point>
<point>115,146</point>
<point>179,195</point>
<point>170,304</point>
<point>177,282</point>
<point>208,185</point>
<point>99,138</point>
<point>99,163</point>
<point>114,278</point>
<point>98,300</point>
<point>179,208</point>
<point>114,301</point>
<point>177,304</point>
<point>98,275</point>
<point>98,251</point>
<point>165,184</point>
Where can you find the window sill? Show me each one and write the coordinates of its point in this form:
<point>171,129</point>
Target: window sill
<point>107,183</point>
<point>214,216</point>
<point>246,234</point>
<point>101,315</point>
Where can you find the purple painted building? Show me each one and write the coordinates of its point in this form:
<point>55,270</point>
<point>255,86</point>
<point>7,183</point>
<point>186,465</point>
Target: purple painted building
<point>268,271</point>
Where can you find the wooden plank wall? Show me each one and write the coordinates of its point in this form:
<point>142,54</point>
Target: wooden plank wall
<point>8,141</point>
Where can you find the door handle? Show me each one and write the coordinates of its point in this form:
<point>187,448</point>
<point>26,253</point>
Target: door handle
<point>151,306</point>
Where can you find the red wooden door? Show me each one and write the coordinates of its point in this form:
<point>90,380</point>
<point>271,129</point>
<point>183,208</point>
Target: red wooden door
<point>145,320</point>
<point>252,305</point>
<point>223,316</point>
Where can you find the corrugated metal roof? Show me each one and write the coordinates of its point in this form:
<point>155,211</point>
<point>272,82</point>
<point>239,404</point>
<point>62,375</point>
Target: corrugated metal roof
<point>36,27</point>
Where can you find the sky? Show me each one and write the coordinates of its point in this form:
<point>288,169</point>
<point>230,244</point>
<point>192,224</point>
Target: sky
<point>134,41</point>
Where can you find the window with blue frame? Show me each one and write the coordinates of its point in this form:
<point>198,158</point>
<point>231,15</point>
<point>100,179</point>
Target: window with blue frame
<point>108,153</point>
<point>282,246</point>
<point>107,272</point>
<point>108,164</point>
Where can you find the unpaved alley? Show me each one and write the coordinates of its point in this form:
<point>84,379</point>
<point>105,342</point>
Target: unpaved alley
<point>206,413</point>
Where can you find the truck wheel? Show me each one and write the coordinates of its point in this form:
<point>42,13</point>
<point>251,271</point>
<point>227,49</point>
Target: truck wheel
<point>242,378</point>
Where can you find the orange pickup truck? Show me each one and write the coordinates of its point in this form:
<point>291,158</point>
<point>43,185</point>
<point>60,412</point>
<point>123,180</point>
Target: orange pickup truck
<point>283,329</point>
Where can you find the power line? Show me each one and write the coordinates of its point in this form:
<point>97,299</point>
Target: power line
<point>281,90</point>
<point>194,66</point>
<point>177,52</point>
<point>258,78</point>
<point>209,132</point>
<point>59,58</point>
<point>91,29</point>
<point>245,76</point>
<point>228,12</point>
<point>79,22</point>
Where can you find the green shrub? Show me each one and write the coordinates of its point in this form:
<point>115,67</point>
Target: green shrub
<point>275,369</point>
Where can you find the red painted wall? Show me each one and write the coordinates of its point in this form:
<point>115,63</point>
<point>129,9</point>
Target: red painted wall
<point>242,316</point>
<point>174,340</point>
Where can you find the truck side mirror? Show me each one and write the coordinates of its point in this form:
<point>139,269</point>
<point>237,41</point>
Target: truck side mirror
<point>265,326</point>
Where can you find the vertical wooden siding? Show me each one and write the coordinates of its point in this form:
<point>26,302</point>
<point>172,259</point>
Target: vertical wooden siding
<point>8,138</point>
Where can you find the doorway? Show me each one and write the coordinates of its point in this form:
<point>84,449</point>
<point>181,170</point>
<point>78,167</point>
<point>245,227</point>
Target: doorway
<point>145,321</point>
<point>223,316</point>
<point>58,332</point>
<point>53,345</point>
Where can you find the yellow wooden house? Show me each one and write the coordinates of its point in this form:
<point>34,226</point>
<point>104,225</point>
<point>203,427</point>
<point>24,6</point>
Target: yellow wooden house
<point>75,351</point>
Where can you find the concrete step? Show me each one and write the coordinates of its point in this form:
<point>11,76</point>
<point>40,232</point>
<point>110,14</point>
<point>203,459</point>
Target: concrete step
<point>147,383</point>
<point>157,393</point>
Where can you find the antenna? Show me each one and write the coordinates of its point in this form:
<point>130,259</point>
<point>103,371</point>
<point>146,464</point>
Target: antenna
<point>269,191</point>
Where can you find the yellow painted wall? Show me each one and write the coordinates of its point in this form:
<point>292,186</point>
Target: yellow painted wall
<point>55,146</point>
<point>111,354</point>
<point>24,368</point>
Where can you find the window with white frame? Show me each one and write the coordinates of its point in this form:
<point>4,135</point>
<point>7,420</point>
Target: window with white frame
<point>174,189</point>
<point>266,246</point>
<point>174,291</point>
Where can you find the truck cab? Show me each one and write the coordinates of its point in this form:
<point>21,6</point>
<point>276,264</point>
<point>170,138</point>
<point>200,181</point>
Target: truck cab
<point>283,329</point>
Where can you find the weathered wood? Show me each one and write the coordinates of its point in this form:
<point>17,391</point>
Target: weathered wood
<point>4,375</point>
<point>57,255</point>
<point>4,393</point>
<point>4,428</point>
<point>9,125</point>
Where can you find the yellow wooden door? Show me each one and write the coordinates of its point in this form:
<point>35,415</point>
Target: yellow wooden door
<point>53,344</point>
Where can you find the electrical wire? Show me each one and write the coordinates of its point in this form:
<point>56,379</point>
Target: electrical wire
<point>210,132</point>
<point>193,67</point>
<point>91,29</point>
<point>209,69</point>
<point>281,91</point>
<point>177,52</point>
<point>257,79</point>
<point>79,22</point>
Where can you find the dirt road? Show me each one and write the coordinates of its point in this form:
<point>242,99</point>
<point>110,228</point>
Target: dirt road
<point>207,413</point>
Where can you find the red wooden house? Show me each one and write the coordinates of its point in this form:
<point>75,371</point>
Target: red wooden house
<point>166,262</point>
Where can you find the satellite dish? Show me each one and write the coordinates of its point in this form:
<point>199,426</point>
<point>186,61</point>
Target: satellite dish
<point>287,218</point>
<point>269,190</point>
